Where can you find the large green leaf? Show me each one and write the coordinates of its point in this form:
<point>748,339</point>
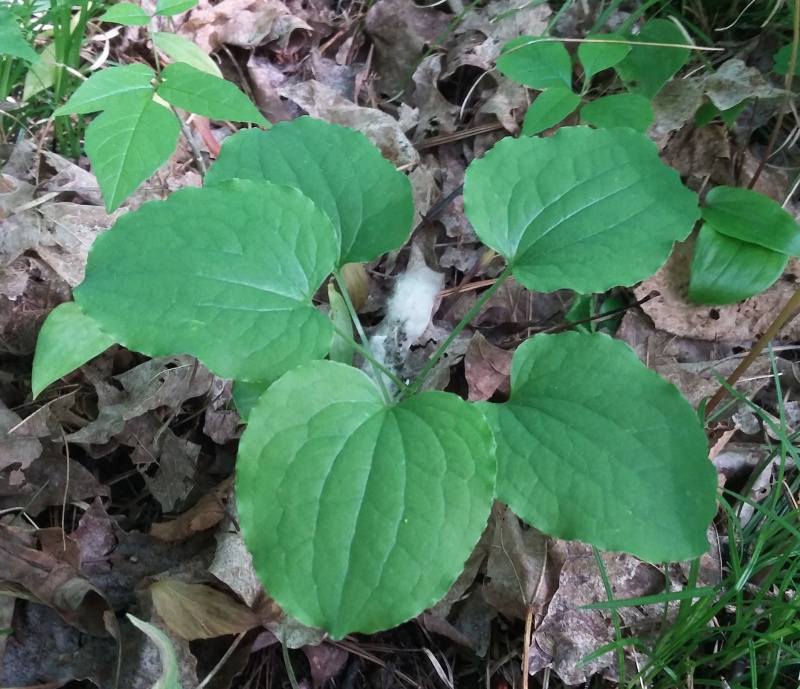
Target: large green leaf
<point>12,42</point>
<point>549,108</point>
<point>752,217</point>
<point>726,270</point>
<point>584,209</point>
<point>593,446</point>
<point>536,62</point>
<point>366,198</point>
<point>360,515</point>
<point>596,54</point>
<point>68,339</point>
<point>110,87</point>
<point>191,89</point>
<point>182,49</point>
<point>224,273</point>
<point>646,68</point>
<point>127,143</point>
<point>620,110</point>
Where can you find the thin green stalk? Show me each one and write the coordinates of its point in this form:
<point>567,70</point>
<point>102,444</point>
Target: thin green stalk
<point>360,330</point>
<point>464,322</point>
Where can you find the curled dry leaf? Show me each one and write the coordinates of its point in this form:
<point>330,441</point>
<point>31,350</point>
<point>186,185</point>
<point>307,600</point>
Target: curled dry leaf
<point>26,571</point>
<point>324,103</point>
<point>245,23</point>
<point>198,611</point>
<point>208,512</point>
<point>487,369</point>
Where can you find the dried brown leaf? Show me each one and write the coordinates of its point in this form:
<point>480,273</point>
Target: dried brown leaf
<point>244,23</point>
<point>27,571</point>
<point>487,369</point>
<point>209,511</point>
<point>197,611</point>
<point>320,101</point>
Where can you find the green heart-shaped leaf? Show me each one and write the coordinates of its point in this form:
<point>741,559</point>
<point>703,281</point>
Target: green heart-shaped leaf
<point>752,217</point>
<point>127,14</point>
<point>599,53</point>
<point>224,273</point>
<point>182,49</point>
<point>12,42</point>
<point>536,62</point>
<point>726,270</point>
<point>620,110</point>
<point>109,87</point>
<point>594,446</point>
<point>68,339</point>
<point>549,108</point>
<point>584,209</point>
<point>360,515</point>
<point>191,89</point>
<point>646,68</point>
<point>127,143</point>
<point>366,198</point>
<point>169,8</point>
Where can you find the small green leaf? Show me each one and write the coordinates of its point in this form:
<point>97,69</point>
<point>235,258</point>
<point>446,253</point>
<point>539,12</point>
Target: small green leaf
<point>12,42</point>
<point>68,339</point>
<point>42,73</point>
<point>108,88</point>
<point>190,89</point>
<point>536,63</point>
<point>127,14</point>
<point>620,110</point>
<point>169,8</point>
<point>166,653</point>
<point>585,209</point>
<point>549,108</point>
<point>726,270</point>
<point>596,55</point>
<point>128,143</point>
<point>360,515</point>
<point>367,199</point>
<point>646,68</point>
<point>781,59</point>
<point>752,217</point>
<point>182,49</point>
<point>593,446</point>
<point>246,395</point>
<point>224,273</point>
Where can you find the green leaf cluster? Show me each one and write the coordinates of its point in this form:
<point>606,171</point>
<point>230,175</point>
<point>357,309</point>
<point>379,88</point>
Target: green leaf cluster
<point>137,131</point>
<point>359,507</point>
<point>743,246</point>
<point>138,128</point>
<point>746,239</point>
<point>545,65</point>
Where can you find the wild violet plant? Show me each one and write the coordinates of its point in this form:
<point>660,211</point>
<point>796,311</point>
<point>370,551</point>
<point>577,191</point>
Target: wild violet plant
<point>360,507</point>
